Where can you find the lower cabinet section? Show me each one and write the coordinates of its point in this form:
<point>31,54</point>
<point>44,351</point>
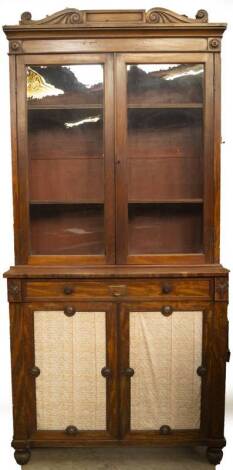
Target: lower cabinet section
<point>125,372</point>
<point>86,353</point>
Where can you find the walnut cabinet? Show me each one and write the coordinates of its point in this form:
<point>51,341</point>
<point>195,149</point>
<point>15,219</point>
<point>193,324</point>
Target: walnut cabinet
<point>118,300</point>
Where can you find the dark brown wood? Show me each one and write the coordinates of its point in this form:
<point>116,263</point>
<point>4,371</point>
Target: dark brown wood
<point>117,271</point>
<point>122,214</point>
<point>18,372</point>
<point>218,350</point>
<point>14,290</point>
<point>137,288</point>
<point>221,289</point>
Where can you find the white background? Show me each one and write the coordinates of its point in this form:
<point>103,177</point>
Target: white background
<point>10,11</point>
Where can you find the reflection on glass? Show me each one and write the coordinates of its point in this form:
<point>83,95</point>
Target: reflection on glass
<point>165,83</point>
<point>65,84</point>
<point>67,229</point>
<point>65,133</point>
<point>164,132</point>
<point>38,88</point>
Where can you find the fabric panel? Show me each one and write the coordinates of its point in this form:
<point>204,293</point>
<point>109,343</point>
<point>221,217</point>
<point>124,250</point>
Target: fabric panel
<point>165,353</point>
<point>70,353</point>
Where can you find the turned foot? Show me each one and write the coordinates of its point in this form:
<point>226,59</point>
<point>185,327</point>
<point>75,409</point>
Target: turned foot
<point>22,456</point>
<point>214,455</point>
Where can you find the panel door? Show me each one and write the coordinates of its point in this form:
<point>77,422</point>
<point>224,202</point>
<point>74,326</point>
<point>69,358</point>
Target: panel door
<point>66,158</point>
<point>73,369</point>
<point>164,161</point>
<point>163,369</point>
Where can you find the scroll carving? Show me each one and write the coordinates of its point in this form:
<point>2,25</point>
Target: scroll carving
<point>69,16</point>
<point>162,15</point>
<point>72,16</point>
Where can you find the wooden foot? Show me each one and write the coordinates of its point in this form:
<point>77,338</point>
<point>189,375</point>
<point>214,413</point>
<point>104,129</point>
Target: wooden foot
<point>22,456</point>
<point>214,455</point>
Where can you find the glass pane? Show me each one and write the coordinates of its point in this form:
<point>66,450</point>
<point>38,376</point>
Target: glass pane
<point>70,353</point>
<point>67,229</point>
<point>65,84</point>
<point>165,83</point>
<point>165,158</point>
<point>66,159</point>
<point>165,228</point>
<point>165,353</point>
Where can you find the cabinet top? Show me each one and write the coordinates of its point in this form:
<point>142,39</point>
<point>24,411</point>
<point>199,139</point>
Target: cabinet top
<point>70,20</point>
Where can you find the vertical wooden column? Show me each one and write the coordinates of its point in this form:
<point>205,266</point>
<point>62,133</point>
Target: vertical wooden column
<point>218,356</point>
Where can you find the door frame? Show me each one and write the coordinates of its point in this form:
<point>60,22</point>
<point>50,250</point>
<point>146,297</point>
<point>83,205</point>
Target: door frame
<point>112,407</point>
<point>154,436</point>
<point>122,256</point>
<point>22,163</point>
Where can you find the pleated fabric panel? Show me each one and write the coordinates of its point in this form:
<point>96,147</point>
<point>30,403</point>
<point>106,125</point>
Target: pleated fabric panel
<point>70,353</point>
<point>165,353</point>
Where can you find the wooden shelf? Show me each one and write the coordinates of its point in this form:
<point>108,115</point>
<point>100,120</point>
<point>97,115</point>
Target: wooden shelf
<point>63,106</point>
<point>169,201</point>
<point>166,106</point>
<point>61,203</point>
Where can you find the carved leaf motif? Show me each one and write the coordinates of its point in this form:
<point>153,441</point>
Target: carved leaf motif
<point>69,16</point>
<point>162,15</point>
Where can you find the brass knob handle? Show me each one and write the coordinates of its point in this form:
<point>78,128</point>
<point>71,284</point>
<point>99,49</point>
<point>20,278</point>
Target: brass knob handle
<point>116,294</point>
<point>68,290</point>
<point>69,311</point>
<point>128,372</point>
<point>106,372</point>
<point>201,371</point>
<point>35,371</point>
<point>71,430</point>
<point>166,288</point>
<point>167,310</point>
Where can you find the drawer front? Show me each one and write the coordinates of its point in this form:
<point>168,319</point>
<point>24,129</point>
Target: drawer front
<point>82,289</point>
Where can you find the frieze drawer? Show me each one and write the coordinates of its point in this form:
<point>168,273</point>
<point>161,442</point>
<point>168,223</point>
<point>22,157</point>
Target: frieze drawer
<point>115,289</point>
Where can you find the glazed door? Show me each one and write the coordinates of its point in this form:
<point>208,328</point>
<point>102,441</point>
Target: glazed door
<point>66,159</point>
<point>72,368</point>
<point>164,160</point>
<point>164,370</point>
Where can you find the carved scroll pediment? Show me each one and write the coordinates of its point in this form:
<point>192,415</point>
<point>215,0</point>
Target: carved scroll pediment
<point>69,16</point>
<point>72,16</point>
<point>162,15</point>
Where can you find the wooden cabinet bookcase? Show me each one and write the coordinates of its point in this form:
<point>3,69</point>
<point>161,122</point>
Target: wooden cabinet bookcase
<point>118,303</point>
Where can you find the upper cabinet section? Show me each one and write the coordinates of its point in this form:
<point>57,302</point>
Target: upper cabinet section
<point>116,137</point>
